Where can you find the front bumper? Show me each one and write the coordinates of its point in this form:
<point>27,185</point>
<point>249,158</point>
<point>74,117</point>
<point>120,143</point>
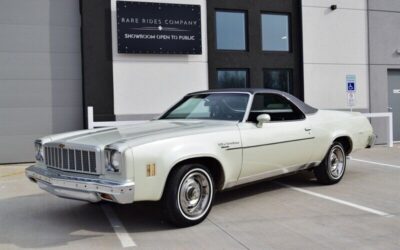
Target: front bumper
<point>79,188</point>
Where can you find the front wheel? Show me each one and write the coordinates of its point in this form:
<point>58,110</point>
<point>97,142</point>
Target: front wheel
<point>332,168</point>
<point>189,194</point>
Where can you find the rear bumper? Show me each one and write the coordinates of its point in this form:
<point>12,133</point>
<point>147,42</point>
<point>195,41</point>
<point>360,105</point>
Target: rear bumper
<point>77,188</point>
<point>371,141</point>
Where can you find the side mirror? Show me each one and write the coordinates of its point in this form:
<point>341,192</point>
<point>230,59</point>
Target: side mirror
<point>263,118</point>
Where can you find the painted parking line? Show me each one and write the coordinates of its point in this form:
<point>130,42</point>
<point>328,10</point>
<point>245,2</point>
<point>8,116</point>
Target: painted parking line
<point>375,163</point>
<point>119,229</point>
<point>343,202</point>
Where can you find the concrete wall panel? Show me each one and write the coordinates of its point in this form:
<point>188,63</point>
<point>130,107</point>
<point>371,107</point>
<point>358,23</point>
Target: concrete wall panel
<point>39,38</point>
<point>338,36</point>
<point>17,148</point>
<point>40,12</point>
<point>335,44</point>
<point>40,73</point>
<point>39,66</point>
<point>325,85</point>
<point>384,37</point>
<point>41,94</point>
<point>347,4</point>
<point>384,5</point>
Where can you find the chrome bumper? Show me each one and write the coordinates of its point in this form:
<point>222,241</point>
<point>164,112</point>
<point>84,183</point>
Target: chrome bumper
<point>371,141</point>
<point>77,188</point>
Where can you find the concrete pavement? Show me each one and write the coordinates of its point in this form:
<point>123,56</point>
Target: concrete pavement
<point>300,214</point>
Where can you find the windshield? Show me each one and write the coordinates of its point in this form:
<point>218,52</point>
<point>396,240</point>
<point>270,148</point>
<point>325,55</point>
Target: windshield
<point>211,106</point>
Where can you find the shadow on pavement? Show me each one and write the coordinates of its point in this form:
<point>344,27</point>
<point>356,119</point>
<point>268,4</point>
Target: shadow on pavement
<point>42,220</point>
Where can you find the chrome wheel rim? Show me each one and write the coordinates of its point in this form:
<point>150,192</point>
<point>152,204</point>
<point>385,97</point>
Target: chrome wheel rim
<point>337,162</point>
<point>195,194</point>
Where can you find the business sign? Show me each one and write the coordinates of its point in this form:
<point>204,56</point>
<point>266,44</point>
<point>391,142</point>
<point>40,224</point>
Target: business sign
<point>351,83</point>
<point>158,28</point>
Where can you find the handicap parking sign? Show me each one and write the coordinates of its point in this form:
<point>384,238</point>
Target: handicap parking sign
<point>350,86</point>
<point>351,83</point>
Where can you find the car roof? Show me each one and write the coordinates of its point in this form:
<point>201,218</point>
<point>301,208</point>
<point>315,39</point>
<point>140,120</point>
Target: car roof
<point>307,109</point>
<point>240,90</point>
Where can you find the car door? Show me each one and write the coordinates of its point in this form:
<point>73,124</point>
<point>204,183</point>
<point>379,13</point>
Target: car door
<point>279,146</point>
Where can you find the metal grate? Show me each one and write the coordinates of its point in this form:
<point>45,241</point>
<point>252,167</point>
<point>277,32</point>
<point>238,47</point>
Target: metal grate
<point>70,159</point>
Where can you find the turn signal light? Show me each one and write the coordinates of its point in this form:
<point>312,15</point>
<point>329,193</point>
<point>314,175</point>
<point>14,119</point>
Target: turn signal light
<point>151,169</point>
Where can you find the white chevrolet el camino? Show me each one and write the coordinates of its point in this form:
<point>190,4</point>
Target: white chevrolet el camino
<point>209,141</point>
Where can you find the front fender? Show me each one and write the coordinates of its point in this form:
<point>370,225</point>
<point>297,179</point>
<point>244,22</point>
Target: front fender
<point>166,154</point>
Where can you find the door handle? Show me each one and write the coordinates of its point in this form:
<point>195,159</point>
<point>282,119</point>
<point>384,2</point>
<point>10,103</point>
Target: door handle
<point>307,129</point>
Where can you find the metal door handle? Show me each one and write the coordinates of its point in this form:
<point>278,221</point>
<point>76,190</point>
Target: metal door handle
<point>307,129</point>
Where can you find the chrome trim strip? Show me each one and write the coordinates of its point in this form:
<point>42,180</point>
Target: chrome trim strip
<point>89,161</point>
<point>248,109</point>
<point>270,174</point>
<point>80,188</point>
<point>273,143</point>
<point>75,159</point>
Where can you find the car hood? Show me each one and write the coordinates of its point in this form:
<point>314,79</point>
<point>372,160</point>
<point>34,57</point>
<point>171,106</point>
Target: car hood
<point>141,133</point>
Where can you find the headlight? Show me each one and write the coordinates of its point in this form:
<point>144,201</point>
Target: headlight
<point>39,153</point>
<point>113,160</point>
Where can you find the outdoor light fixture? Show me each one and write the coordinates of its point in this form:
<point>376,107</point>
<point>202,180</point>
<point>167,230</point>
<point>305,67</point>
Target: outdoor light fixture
<point>333,7</point>
<point>398,51</point>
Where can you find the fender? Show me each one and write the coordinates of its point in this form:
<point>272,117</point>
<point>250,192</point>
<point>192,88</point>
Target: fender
<point>168,153</point>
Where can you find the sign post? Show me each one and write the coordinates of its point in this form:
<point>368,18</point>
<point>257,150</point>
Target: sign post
<point>351,87</point>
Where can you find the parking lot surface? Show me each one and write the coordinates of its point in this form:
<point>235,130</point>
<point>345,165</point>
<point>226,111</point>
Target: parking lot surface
<point>361,212</point>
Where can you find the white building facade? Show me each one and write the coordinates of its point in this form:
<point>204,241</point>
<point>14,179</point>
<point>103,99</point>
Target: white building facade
<point>61,56</point>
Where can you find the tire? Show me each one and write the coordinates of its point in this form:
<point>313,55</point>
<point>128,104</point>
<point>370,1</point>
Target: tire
<point>188,195</point>
<point>333,167</point>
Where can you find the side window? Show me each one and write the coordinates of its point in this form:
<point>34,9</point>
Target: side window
<point>278,107</point>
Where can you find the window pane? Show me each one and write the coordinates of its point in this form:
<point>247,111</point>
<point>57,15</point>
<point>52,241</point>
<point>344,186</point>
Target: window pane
<point>278,79</point>
<point>231,79</point>
<point>217,106</point>
<point>275,32</point>
<point>193,108</point>
<point>231,30</point>
<point>270,103</point>
<point>279,108</point>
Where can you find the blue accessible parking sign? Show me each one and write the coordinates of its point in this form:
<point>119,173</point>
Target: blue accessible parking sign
<point>350,86</point>
<point>351,83</point>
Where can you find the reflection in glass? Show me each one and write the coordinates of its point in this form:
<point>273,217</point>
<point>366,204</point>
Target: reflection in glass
<point>275,32</point>
<point>231,78</point>
<point>231,30</point>
<point>212,106</point>
<point>278,79</point>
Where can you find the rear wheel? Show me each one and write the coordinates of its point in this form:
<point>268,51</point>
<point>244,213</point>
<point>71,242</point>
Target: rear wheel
<point>189,194</point>
<point>333,167</point>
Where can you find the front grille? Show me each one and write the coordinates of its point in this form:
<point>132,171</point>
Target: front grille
<point>74,160</point>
